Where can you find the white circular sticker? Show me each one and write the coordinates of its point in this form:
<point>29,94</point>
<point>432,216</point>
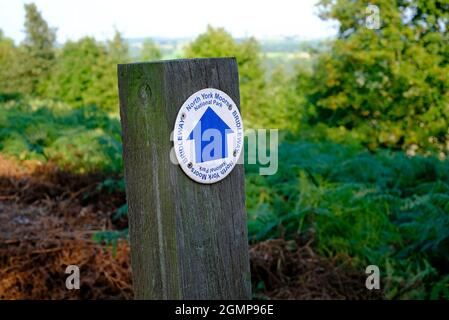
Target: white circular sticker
<point>208,135</point>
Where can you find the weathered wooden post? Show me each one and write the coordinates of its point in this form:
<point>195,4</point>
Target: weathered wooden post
<point>188,239</point>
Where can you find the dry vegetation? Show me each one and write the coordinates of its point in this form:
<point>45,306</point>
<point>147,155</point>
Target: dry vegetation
<point>48,219</point>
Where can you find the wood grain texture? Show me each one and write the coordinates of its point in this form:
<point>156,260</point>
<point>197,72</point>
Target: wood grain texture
<point>188,240</point>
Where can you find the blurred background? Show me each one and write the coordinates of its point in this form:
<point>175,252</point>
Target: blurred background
<point>359,91</point>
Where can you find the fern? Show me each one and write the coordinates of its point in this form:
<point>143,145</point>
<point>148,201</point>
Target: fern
<point>381,208</point>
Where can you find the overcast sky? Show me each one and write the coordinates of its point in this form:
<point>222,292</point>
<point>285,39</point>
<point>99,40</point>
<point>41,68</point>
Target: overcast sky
<point>169,18</point>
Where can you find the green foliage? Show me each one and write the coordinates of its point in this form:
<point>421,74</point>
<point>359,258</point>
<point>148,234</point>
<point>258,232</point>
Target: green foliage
<point>384,208</point>
<point>110,238</point>
<point>118,49</point>
<point>112,185</point>
<point>37,52</point>
<point>85,72</point>
<point>80,67</point>
<point>8,63</point>
<point>120,212</point>
<point>80,140</point>
<point>390,84</point>
<point>81,73</point>
<point>284,101</point>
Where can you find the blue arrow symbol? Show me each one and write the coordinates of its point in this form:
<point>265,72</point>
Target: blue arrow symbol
<point>209,135</point>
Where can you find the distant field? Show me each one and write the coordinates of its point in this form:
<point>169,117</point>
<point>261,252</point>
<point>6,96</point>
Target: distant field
<point>285,51</point>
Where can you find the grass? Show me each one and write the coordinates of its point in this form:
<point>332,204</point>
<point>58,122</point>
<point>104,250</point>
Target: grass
<point>382,208</point>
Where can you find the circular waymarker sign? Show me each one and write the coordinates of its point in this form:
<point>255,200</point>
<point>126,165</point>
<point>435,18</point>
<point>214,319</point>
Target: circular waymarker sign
<point>208,135</point>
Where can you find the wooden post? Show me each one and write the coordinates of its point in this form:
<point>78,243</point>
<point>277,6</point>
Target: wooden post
<point>188,240</point>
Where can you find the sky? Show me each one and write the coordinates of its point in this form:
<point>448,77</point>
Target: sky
<point>169,18</point>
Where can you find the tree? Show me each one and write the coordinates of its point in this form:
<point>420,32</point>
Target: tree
<point>216,42</point>
<point>37,51</point>
<point>8,63</point>
<point>79,66</point>
<point>282,96</point>
<point>150,51</point>
<point>86,72</point>
<point>390,83</point>
<point>118,50</point>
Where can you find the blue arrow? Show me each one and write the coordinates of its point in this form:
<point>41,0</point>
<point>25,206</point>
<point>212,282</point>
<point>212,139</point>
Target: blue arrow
<point>209,135</point>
